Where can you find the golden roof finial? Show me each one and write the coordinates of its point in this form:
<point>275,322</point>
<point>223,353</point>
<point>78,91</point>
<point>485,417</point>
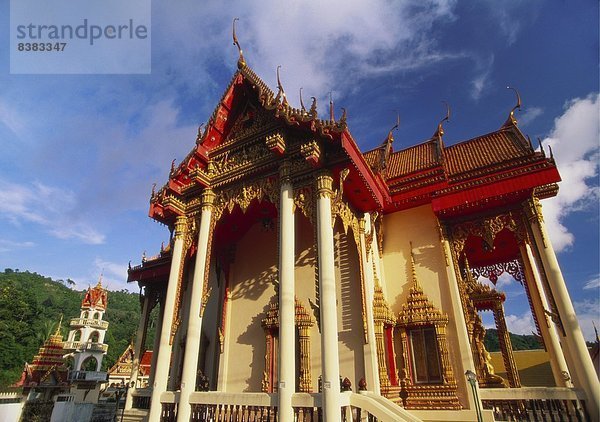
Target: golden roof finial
<point>331,114</point>
<point>468,273</point>
<point>100,279</point>
<point>241,62</point>
<point>281,91</point>
<point>59,326</point>
<point>302,102</point>
<point>439,133</point>
<point>387,145</point>
<point>313,108</point>
<point>511,117</point>
<point>413,268</point>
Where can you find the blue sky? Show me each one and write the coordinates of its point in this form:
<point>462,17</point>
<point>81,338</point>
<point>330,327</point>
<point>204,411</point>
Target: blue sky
<point>79,153</point>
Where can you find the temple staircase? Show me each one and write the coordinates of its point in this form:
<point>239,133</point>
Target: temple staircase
<point>135,415</point>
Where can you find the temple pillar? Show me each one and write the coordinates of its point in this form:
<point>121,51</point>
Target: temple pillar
<point>370,349</point>
<point>140,339</point>
<point>157,333</point>
<point>558,364</point>
<point>506,349</point>
<point>163,358</point>
<point>327,304</point>
<point>197,304</point>
<point>287,330</point>
<point>465,360</point>
<point>580,361</point>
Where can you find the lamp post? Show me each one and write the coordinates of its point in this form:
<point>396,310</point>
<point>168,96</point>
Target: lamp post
<point>472,379</point>
<point>120,390</point>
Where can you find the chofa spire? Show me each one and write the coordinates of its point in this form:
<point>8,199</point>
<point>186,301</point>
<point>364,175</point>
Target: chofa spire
<point>439,133</point>
<point>511,120</point>
<point>241,61</point>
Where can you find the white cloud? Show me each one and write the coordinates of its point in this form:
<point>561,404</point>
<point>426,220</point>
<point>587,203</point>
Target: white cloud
<point>114,275</point>
<point>10,118</point>
<point>480,82</point>
<point>308,39</point>
<point>47,206</point>
<point>9,245</point>
<point>521,324</point>
<point>574,141</point>
<point>529,115</point>
<point>587,311</point>
<point>592,283</point>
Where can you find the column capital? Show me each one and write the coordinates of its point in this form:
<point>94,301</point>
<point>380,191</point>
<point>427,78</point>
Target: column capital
<point>324,184</point>
<point>180,226</point>
<point>361,225</point>
<point>208,199</point>
<point>533,209</point>
<point>284,172</point>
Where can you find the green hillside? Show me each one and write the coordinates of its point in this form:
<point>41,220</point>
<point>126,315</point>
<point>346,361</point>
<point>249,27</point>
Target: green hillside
<point>519,342</point>
<point>30,307</point>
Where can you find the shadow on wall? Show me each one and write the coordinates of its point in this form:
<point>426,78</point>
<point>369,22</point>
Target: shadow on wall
<point>255,337</point>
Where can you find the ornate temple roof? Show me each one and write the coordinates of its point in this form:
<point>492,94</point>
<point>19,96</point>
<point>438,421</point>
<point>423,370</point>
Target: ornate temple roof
<point>48,366</point>
<point>124,365</point>
<point>96,297</point>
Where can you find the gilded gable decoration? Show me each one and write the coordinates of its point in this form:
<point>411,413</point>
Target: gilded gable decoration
<point>426,376</point>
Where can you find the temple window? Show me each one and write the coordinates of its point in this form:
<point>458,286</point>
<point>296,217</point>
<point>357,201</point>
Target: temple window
<point>425,356</point>
<point>270,323</point>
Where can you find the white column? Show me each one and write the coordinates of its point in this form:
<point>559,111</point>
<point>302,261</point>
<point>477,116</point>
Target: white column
<point>581,362</point>
<point>163,358</point>
<point>287,314</point>
<point>465,361</point>
<point>192,344</point>
<point>157,333</point>
<point>548,332</point>
<point>328,304</point>
<point>140,339</point>
<point>370,349</point>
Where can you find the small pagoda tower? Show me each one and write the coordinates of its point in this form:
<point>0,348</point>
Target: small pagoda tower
<point>47,374</point>
<point>86,338</point>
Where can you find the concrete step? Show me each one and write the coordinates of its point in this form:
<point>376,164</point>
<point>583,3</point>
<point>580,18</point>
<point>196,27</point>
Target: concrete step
<point>135,415</point>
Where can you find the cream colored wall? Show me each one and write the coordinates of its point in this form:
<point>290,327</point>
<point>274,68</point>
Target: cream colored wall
<point>251,291</point>
<point>349,300</point>
<point>418,225</point>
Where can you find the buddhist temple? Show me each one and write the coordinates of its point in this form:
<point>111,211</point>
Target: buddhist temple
<point>308,280</point>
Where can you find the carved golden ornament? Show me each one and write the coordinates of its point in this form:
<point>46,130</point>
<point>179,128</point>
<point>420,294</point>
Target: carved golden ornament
<point>311,151</point>
<point>180,227</point>
<point>204,302</point>
<point>533,212</point>
<point>221,340</point>
<point>381,310</point>
<point>243,158</point>
<point>276,143</point>
<point>419,312</point>
<point>208,199</point>
<point>341,209</point>
<point>176,318</point>
<point>284,172</point>
<point>303,322</point>
<point>382,316</point>
<point>206,289</point>
<point>486,228</point>
<point>305,201</point>
<point>243,194</point>
<point>191,233</point>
